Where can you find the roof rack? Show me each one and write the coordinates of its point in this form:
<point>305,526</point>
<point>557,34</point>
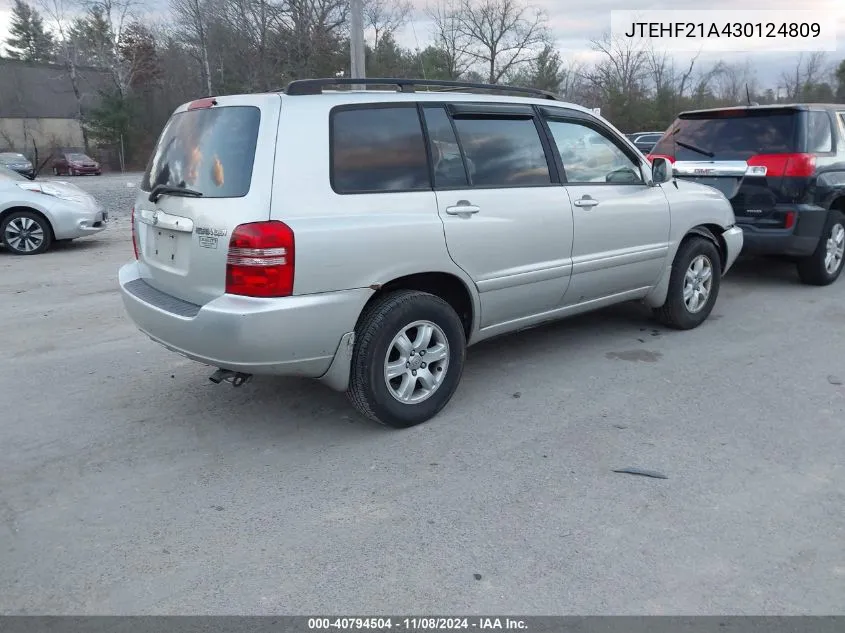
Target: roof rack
<point>315,86</point>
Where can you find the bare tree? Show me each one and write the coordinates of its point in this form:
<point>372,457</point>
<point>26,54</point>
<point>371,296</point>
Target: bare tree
<point>449,38</point>
<point>622,68</point>
<point>193,19</point>
<point>252,26</point>
<point>808,71</point>
<point>386,17</point>
<point>112,17</point>
<point>502,34</point>
<point>58,13</point>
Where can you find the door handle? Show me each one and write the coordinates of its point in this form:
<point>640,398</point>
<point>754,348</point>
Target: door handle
<point>463,208</point>
<point>586,202</point>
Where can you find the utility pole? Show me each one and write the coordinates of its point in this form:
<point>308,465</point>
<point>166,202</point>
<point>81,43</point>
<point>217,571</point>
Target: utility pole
<point>356,40</point>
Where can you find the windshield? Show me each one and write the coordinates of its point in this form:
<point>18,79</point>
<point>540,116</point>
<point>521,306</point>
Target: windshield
<point>8,174</point>
<point>8,157</point>
<point>210,151</point>
<point>731,135</point>
<point>80,158</point>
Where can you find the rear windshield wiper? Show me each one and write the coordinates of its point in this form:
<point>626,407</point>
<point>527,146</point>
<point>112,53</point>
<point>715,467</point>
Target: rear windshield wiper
<point>695,149</point>
<point>161,190</point>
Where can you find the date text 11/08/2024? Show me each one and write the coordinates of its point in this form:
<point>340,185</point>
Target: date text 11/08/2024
<point>415,624</point>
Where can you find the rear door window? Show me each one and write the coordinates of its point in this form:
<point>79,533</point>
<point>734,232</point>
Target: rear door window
<point>210,150</point>
<point>819,133</point>
<point>378,150</point>
<point>503,152</point>
<point>449,169</point>
<point>731,135</point>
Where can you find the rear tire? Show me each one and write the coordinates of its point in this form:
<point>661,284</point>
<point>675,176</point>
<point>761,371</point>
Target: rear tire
<point>824,266</point>
<point>693,285</point>
<point>409,355</point>
<point>26,233</point>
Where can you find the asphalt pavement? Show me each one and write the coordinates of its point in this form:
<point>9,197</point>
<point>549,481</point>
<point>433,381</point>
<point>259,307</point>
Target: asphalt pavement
<point>131,484</point>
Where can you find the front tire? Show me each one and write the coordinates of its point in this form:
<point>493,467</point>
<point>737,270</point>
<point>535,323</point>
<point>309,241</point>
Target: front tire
<point>693,285</point>
<point>409,355</point>
<point>824,266</point>
<point>26,233</point>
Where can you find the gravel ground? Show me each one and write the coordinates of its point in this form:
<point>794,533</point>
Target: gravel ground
<point>131,484</point>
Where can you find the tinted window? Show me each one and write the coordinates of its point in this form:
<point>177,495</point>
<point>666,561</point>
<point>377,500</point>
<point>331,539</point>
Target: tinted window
<point>210,150</point>
<point>731,135</point>
<point>589,156</point>
<point>819,133</point>
<point>503,152</point>
<point>378,149</point>
<point>449,170</point>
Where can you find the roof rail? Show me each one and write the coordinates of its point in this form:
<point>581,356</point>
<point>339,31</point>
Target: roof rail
<point>315,86</point>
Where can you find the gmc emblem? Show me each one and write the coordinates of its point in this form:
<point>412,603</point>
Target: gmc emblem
<point>703,171</point>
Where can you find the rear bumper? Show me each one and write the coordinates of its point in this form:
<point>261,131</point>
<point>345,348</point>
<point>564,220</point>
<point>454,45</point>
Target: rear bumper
<point>799,241</point>
<point>290,336</point>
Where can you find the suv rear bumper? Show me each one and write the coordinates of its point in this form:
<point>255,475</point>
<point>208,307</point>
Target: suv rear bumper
<point>290,336</point>
<point>799,241</point>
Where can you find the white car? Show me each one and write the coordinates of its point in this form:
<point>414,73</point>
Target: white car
<point>35,214</point>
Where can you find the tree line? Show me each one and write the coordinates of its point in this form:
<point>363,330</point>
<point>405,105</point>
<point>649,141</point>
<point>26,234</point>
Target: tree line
<point>213,47</point>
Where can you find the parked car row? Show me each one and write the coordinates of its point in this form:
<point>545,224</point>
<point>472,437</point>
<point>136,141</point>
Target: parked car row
<point>61,164</point>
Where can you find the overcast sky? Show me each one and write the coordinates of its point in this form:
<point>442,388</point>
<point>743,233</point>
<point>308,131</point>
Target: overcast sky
<point>575,22</point>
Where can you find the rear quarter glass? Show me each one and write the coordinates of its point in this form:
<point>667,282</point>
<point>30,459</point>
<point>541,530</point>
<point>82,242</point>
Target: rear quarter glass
<point>210,150</point>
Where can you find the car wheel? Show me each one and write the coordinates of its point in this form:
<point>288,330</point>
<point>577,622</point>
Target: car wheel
<point>824,266</point>
<point>693,285</point>
<point>26,233</point>
<point>409,356</point>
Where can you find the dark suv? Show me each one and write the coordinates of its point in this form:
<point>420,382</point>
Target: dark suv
<point>783,169</point>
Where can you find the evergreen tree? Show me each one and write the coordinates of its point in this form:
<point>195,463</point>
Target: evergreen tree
<point>28,39</point>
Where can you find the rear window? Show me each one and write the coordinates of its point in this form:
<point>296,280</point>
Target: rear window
<point>209,150</point>
<point>731,135</point>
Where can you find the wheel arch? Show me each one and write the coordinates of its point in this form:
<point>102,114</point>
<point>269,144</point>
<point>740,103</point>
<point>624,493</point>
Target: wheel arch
<point>838,203</point>
<point>450,287</point>
<point>712,232</point>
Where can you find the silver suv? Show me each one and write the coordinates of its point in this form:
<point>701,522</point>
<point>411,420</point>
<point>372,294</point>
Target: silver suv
<point>367,237</point>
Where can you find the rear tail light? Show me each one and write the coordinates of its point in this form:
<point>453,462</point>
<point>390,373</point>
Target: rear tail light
<point>651,157</point>
<point>134,235</point>
<point>782,165</point>
<point>260,262</point>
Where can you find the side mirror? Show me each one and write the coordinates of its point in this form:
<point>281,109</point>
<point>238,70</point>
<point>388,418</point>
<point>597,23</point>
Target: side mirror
<point>661,170</point>
<point>623,176</point>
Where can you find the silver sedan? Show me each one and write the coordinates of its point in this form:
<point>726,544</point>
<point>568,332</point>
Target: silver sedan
<point>34,214</point>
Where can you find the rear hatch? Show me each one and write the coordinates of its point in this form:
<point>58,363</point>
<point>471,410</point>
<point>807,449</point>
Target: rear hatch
<point>216,156</point>
<point>752,155</point>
